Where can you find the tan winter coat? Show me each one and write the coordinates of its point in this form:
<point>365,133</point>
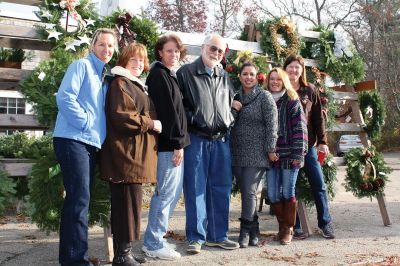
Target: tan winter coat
<point>129,153</point>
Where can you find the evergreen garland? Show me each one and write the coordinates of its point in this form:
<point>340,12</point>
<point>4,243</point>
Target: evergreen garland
<point>363,184</point>
<point>344,69</point>
<point>7,189</point>
<point>303,188</point>
<point>372,102</point>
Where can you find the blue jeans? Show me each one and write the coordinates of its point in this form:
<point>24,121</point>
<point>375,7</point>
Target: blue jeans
<point>77,161</point>
<point>207,185</point>
<point>167,193</point>
<point>315,177</point>
<point>281,184</point>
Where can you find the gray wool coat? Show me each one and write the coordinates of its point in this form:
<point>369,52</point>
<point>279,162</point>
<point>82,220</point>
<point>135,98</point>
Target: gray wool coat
<point>254,133</point>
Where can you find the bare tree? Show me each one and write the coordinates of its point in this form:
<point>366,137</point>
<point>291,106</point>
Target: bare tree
<point>331,13</point>
<point>225,16</point>
<point>179,15</point>
<point>377,39</point>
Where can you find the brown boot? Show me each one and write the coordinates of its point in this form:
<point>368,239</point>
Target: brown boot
<point>289,210</point>
<point>278,210</point>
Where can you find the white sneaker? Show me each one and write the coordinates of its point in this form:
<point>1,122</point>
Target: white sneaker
<point>171,246</point>
<point>162,253</point>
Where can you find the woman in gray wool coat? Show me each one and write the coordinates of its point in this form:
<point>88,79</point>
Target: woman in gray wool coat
<point>254,137</point>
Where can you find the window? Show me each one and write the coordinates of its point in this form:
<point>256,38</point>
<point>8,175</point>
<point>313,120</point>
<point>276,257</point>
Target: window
<point>12,105</point>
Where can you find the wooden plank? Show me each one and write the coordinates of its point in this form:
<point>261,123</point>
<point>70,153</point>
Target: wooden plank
<point>108,243</point>
<point>310,35</point>
<point>345,95</point>
<point>19,121</point>
<point>24,2</point>
<point>383,209</point>
<point>26,32</point>
<point>12,74</point>
<point>354,127</point>
<point>360,86</point>
<point>365,85</point>
<point>311,62</point>
<point>30,44</point>
<point>304,221</point>
<point>17,169</point>
<point>9,85</point>
<point>196,39</point>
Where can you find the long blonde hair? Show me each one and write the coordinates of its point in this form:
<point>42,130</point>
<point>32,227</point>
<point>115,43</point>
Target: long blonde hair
<point>286,82</point>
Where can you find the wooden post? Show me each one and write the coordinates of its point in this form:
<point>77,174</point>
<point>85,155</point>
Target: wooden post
<point>108,243</point>
<point>383,209</point>
<point>305,223</point>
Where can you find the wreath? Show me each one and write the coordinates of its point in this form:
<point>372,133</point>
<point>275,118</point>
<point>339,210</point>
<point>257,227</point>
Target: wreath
<point>270,31</point>
<point>303,188</point>
<point>46,195</point>
<point>348,67</point>
<point>235,60</point>
<point>373,111</point>
<point>367,172</point>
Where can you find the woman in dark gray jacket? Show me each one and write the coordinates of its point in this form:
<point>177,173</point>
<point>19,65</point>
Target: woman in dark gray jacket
<point>254,137</point>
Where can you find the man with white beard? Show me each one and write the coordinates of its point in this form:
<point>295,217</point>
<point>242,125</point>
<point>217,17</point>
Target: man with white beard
<point>210,110</point>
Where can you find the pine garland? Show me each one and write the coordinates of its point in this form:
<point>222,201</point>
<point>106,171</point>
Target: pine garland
<point>372,102</point>
<point>7,189</point>
<point>363,179</point>
<point>303,188</point>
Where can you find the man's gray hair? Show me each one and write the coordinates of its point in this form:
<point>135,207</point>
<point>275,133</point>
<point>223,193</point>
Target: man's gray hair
<point>211,36</point>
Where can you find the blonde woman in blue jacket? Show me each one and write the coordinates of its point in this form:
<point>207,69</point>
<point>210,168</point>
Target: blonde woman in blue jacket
<point>79,132</point>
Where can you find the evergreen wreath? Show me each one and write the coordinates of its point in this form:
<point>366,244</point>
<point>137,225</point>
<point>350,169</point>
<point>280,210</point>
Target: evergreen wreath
<point>270,31</point>
<point>367,172</point>
<point>347,69</point>
<point>373,111</point>
<point>47,195</point>
<point>235,60</point>
<point>303,188</point>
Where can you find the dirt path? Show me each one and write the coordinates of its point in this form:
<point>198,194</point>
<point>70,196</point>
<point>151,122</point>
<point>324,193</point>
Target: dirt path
<point>361,238</point>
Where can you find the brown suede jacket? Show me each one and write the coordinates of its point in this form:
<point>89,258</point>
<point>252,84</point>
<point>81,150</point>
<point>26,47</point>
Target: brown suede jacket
<point>129,153</point>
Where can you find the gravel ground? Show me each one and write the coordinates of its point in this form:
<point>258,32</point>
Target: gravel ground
<point>361,237</point>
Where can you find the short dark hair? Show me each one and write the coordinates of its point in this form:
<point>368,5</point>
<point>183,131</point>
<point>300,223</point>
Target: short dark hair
<point>167,38</point>
<point>131,50</point>
<point>291,58</point>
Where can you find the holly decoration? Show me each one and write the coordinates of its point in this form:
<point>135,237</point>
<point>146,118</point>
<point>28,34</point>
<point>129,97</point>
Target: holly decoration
<point>367,172</point>
<point>373,111</point>
<point>303,188</point>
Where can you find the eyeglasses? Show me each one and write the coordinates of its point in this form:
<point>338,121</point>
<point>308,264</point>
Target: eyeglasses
<point>214,48</point>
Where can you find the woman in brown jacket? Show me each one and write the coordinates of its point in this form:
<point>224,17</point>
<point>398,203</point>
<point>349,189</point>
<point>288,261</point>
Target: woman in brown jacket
<point>129,154</point>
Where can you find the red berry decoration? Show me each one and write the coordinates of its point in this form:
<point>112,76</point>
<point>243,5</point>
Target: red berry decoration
<point>261,77</point>
<point>229,68</point>
<point>370,186</point>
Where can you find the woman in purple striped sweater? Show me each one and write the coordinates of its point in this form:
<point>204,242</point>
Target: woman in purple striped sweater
<point>289,153</point>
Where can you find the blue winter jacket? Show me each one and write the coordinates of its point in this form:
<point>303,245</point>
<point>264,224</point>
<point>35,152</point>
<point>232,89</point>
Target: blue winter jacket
<point>80,101</point>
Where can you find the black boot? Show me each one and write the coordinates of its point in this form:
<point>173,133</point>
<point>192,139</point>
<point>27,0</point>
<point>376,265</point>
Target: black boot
<point>244,232</point>
<point>123,255</point>
<point>254,231</point>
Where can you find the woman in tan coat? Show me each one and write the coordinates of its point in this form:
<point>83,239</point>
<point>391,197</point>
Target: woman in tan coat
<point>129,154</point>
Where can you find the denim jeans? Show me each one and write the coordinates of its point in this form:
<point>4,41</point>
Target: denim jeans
<point>207,185</point>
<point>166,195</point>
<point>77,161</point>
<point>315,177</point>
<point>248,179</point>
<point>281,183</point>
